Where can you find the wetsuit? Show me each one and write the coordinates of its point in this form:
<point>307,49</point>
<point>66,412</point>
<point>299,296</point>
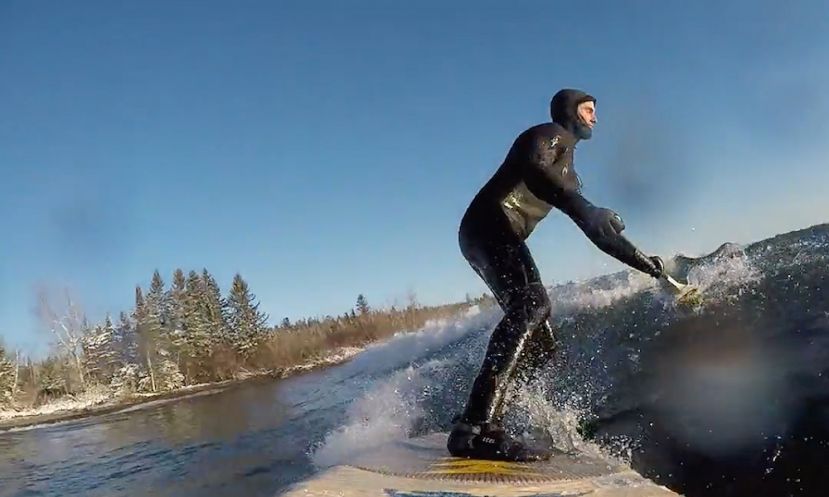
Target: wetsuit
<point>536,176</point>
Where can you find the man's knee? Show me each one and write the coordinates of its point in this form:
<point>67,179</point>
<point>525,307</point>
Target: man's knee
<point>538,308</point>
<point>525,312</point>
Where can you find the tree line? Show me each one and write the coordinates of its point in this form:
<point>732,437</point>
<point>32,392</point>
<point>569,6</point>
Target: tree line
<point>184,334</point>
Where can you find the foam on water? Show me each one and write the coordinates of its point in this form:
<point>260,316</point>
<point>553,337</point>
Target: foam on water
<point>386,413</point>
<point>597,293</point>
<point>723,274</point>
<point>393,405</point>
<point>407,347</point>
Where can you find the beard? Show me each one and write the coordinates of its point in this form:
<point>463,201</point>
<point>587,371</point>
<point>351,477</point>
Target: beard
<point>583,131</point>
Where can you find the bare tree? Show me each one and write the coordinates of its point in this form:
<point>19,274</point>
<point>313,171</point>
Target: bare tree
<point>67,324</point>
<point>411,298</point>
<point>16,374</point>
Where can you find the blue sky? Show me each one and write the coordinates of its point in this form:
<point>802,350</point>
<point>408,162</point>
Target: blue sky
<point>326,149</point>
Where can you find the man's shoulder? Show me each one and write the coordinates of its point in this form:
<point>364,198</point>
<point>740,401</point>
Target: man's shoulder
<point>548,132</point>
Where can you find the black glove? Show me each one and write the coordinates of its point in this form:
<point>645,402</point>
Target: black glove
<point>659,266</point>
<point>650,265</point>
<point>605,228</point>
<point>606,223</point>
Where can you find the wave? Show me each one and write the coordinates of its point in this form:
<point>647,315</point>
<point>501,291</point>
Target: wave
<point>703,399</point>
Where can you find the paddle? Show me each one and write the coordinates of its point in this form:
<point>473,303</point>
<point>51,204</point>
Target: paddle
<point>685,293</point>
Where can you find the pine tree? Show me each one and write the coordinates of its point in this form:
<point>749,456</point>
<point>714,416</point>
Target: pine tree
<point>126,378</point>
<point>362,305</point>
<point>7,379</point>
<point>139,319</point>
<point>247,323</point>
<point>165,370</point>
<point>157,299</point>
<point>150,332</point>
<point>126,340</point>
<point>175,299</point>
<point>51,380</point>
<point>215,309</point>
<point>197,340</point>
<point>109,360</point>
<point>139,304</point>
<point>100,355</point>
<point>175,326</point>
<point>145,344</point>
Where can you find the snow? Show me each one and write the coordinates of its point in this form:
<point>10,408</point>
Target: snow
<point>102,396</point>
<point>94,396</point>
<point>340,355</point>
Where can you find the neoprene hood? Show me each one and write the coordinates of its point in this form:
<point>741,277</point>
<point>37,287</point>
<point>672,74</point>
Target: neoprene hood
<point>563,111</point>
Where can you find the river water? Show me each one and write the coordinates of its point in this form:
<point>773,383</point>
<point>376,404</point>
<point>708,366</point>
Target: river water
<point>249,440</point>
<point>730,398</point>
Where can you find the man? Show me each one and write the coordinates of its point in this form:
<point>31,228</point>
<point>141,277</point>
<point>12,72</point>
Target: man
<point>537,175</point>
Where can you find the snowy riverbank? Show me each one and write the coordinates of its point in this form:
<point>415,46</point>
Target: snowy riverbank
<point>99,401</point>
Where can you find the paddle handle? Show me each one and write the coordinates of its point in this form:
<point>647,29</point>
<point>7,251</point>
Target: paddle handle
<point>674,283</point>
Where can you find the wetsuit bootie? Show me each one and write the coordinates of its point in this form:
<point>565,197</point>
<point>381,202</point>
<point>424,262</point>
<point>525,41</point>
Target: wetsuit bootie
<point>489,441</point>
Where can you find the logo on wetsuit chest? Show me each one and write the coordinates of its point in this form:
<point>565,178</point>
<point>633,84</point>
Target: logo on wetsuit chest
<point>512,200</point>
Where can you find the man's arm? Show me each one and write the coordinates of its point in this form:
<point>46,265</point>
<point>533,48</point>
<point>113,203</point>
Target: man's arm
<point>545,179</point>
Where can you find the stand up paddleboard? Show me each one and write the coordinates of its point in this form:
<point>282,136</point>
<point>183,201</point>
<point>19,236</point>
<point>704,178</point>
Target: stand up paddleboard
<point>421,467</point>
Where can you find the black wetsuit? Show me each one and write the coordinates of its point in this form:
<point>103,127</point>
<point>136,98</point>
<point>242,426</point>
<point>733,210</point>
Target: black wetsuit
<point>536,176</point>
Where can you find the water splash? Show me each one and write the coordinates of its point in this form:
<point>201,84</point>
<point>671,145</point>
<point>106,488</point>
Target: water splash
<point>417,395</point>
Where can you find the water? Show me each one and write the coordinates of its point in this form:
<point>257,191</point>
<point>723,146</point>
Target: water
<point>251,440</point>
<point>246,440</point>
<point>731,398</point>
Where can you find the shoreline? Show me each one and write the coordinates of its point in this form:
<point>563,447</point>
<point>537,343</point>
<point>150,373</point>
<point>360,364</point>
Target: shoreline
<point>116,404</point>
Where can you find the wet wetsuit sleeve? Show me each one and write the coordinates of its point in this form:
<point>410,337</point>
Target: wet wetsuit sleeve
<point>545,180</point>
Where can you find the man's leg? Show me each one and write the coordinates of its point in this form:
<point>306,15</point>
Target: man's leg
<point>510,272</point>
<point>539,351</point>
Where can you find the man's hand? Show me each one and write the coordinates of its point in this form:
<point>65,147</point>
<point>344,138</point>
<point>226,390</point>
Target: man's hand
<point>659,266</point>
<point>652,265</point>
<point>604,228</point>
<point>606,223</point>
